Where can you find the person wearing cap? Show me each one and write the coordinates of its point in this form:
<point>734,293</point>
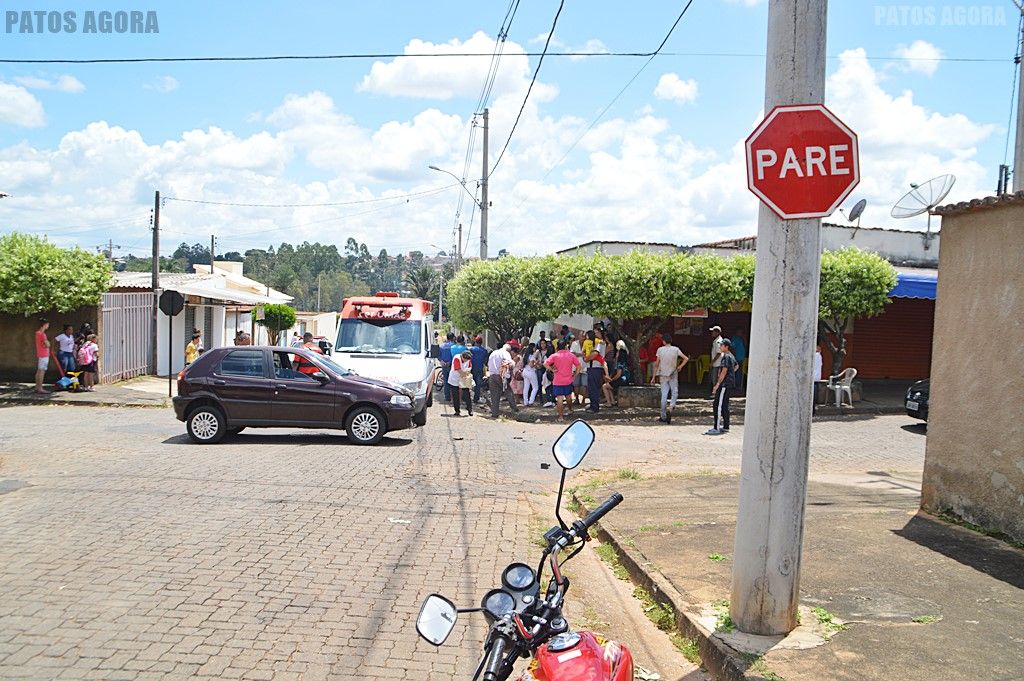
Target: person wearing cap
<point>716,352</point>
<point>724,382</point>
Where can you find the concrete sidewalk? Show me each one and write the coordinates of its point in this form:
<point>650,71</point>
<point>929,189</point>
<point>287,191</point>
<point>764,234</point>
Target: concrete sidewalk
<point>921,599</point>
<point>145,391</point>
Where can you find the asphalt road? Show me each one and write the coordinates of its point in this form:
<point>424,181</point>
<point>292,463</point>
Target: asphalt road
<point>131,553</point>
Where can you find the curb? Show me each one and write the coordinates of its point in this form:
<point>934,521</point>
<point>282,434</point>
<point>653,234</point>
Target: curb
<point>717,657</point>
<point>26,401</point>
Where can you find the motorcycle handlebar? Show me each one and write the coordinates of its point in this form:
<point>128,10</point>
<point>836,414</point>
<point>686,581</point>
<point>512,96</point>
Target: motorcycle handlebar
<point>495,658</point>
<point>599,512</point>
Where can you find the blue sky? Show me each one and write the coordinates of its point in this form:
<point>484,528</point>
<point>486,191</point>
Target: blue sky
<point>82,147</point>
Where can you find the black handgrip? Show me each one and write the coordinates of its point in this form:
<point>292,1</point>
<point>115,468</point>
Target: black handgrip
<point>492,672</point>
<point>611,502</point>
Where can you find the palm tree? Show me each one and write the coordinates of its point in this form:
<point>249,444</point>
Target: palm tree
<point>421,281</point>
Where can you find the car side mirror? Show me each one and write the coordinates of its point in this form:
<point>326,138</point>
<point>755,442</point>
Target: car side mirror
<point>435,351</point>
<point>320,377</point>
<point>436,619</point>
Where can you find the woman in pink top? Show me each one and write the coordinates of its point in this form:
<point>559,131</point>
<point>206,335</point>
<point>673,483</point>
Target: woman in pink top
<point>565,365</point>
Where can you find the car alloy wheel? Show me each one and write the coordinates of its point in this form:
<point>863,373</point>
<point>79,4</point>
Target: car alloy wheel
<point>206,425</point>
<point>365,426</point>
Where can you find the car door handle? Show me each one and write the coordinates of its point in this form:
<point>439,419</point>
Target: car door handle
<point>280,386</point>
<point>220,382</point>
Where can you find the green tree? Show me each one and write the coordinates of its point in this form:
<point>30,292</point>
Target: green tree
<point>854,284</point>
<point>421,281</point>
<point>507,296</point>
<point>133,264</point>
<point>36,275</point>
<point>276,318</point>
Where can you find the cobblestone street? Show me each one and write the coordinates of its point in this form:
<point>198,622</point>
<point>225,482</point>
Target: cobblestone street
<point>131,553</point>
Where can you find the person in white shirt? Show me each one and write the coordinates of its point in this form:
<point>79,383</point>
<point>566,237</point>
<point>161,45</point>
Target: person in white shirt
<point>499,374</point>
<point>66,351</point>
<point>579,381</point>
<point>716,353</point>
<point>668,361</point>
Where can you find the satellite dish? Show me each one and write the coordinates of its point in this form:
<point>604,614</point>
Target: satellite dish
<point>922,199</point>
<point>858,210</point>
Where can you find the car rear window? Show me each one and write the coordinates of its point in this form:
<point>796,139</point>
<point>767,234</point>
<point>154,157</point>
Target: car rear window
<point>242,363</point>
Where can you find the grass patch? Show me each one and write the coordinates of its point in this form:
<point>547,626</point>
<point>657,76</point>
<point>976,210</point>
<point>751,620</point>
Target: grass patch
<point>662,615</point>
<point>926,619</point>
<point>954,519</point>
<point>827,620</point>
<point>608,554</point>
<point>717,557</point>
<point>756,664</point>
<point>688,647</point>
<point>629,474</point>
<point>723,620</point>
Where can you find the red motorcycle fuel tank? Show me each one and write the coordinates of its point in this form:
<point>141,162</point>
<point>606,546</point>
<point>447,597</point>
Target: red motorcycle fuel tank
<point>580,656</point>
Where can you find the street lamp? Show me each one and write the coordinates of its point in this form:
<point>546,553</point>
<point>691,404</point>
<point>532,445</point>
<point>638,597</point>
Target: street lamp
<point>461,182</point>
<point>482,204</point>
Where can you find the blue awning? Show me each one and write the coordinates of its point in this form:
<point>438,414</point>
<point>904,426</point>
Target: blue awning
<point>915,285</point>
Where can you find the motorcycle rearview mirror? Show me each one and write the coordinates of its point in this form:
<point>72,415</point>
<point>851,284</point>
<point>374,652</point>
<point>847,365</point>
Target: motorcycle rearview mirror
<point>569,449</point>
<point>436,619</point>
<point>573,444</point>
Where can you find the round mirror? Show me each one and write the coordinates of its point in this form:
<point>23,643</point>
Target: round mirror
<point>573,444</point>
<point>436,619</point>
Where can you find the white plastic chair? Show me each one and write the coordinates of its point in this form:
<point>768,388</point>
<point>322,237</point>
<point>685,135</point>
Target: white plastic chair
<point>841,384</point>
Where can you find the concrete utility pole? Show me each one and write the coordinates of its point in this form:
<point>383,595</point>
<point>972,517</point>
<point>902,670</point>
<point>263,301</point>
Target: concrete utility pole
<point>458,250</point>
<point>211,253</point>
<point>155,281</point>
<point>773,483</point>
<point>1018,155</point>
<point>483,195</point>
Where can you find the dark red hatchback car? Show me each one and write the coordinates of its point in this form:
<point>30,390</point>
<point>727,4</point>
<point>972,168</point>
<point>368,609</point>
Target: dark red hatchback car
<point>228,389</point>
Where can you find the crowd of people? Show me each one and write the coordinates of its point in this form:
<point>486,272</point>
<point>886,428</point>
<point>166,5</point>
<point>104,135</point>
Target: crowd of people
<point>77,352</point>
<point>579,370</point>
<point>573,370</point>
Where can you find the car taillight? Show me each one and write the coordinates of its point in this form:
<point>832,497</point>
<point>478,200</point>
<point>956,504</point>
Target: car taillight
<point>181,375</point>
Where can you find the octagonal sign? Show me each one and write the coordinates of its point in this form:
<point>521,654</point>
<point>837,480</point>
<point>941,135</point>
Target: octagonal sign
<point>802,161</point>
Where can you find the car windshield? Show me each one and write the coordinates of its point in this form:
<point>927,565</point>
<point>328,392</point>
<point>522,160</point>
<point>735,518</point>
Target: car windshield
<point>334,366</point>
<point>379,336</point>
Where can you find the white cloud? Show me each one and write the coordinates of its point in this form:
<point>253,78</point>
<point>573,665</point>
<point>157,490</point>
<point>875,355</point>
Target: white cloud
<point>901,141</point>
<point>591,46</point>
<point>444,77</point>
<point>920,56</point>
<point>672,87</point>
<point>63,83</point>
<point>637,176</point>
<point>19,107</point>
<point>163,84</point>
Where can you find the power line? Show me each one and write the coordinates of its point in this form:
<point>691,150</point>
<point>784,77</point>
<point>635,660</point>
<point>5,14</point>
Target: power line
<point>311,205</point>
<point>419,55</point>
<point>610,104</point>
<point>536,72</point>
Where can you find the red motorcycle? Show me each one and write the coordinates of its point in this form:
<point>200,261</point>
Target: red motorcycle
<point>525,624</point>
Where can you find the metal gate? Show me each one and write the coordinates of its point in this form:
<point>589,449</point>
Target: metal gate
<point>126,336</point>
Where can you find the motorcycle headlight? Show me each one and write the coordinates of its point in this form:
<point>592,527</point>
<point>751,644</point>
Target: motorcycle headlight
<point>401,400</point>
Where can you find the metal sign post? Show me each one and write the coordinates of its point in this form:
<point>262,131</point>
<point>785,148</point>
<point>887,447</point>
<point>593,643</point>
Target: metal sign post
<point>171,304</point>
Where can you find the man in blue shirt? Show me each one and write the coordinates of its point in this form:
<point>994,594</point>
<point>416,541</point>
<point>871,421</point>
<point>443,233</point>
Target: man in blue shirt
<point>480,354</point>
<point>459,346</point>
<point>446,364</point>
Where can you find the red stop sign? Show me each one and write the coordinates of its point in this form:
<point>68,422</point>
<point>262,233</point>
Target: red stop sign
<point>802,161</point>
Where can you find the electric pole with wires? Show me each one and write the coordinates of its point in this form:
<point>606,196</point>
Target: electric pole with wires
<point>1018,155</point>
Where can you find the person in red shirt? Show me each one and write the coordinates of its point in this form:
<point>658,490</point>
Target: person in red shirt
<point>42,355</point>
<point>303,365</point>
